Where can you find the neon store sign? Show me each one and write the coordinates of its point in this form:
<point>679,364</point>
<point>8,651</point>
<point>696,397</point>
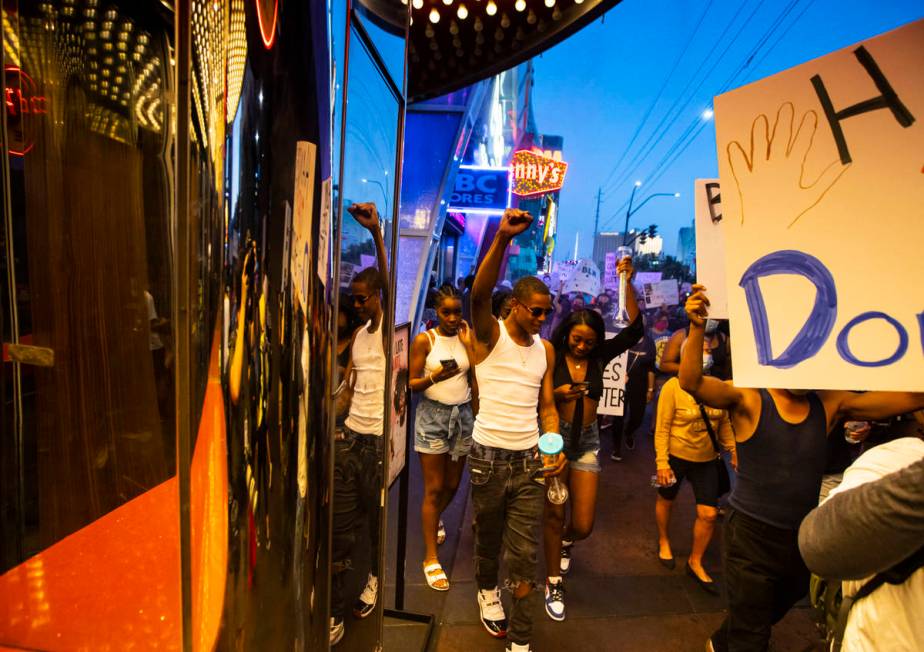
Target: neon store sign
<point>22,103</point>
<point>535,174</point>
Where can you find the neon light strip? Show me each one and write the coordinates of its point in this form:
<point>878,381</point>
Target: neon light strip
<point>267,41</point>
<point>485,168</point>
<point>477,211</point>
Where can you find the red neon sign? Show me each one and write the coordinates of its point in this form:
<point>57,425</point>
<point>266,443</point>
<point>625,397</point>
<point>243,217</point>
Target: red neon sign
<point>534,174</point>
<point>267,27</point>
<point>22,102</point>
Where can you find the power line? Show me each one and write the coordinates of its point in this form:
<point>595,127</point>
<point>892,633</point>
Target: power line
<point>654,102</point>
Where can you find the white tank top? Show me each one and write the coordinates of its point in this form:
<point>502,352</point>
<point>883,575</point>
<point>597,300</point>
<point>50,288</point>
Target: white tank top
<point>455,390</point>
<point>509,381</point>
<point>367,409</point>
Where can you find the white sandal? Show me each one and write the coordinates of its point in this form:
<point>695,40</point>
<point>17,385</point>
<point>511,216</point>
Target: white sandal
<point>434,573</point>
<point>440,533</point>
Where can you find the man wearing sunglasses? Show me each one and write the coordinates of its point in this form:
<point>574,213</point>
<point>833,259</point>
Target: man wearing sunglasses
<point>513,367</point>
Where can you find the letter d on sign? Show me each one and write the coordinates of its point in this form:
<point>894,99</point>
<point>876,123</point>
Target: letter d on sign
<point>817,327</point>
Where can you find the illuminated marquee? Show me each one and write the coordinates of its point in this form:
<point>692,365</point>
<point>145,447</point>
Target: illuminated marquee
<point>534,174</point>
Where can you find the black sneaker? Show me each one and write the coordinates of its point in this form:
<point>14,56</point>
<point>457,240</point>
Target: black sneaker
<point>630,442</point>
<point>555,600</point>
<point>565,564</point>
<point>492,612</point>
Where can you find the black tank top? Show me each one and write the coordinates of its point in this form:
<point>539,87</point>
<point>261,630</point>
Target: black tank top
<point>780,466</point>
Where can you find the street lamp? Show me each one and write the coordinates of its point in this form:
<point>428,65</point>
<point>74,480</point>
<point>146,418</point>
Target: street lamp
<point>384,193</point>
<point>632,211</point>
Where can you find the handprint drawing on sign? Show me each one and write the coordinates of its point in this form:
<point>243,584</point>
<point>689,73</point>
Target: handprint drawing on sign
<point>772,170</point>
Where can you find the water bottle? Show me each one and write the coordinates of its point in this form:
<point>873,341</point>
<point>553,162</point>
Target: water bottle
<point>622,316</point>
<point>853,430</point>
<point>550,445</point>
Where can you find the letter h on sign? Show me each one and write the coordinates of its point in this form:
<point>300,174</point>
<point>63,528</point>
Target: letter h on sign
<point>887,100</point>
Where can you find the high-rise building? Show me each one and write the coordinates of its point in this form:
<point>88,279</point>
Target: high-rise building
<point>686,246</point>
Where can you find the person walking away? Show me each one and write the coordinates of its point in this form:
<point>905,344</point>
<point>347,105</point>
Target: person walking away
<point>640,386</point>
<point>582,352</point>
<point>684,450</point>
<point>513,368</point>
<point>439,368</point>
<point>780,438</point>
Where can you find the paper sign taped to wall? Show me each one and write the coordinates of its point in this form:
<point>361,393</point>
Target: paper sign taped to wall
<point>822,189</point>
<point>710,245</point>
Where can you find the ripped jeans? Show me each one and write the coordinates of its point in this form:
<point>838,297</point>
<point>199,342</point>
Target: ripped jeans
<point>508,504</point>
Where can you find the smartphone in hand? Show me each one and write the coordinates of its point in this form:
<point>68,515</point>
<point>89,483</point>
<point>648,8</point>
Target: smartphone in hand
<point>449,364</point>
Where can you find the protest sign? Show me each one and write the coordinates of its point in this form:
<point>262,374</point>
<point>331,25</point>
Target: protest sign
<point>647,277</point>
<point>821,178</point>
<point>663,293</point>
<point>610,279</point>
<point>710,245</point>
<point>584,278</point>
<point>397,409</point>
<point>613,401</point>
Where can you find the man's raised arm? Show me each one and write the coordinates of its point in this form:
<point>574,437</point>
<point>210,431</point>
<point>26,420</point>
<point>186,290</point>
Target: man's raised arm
<point>513,223</point>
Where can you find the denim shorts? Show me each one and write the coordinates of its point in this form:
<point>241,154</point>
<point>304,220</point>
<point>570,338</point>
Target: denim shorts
<point>441,428</point>
<point>582,455</point>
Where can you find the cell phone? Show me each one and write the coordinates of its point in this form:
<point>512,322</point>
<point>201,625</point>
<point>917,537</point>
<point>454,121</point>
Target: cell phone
<point>582,386</point>
<point>449,364</point>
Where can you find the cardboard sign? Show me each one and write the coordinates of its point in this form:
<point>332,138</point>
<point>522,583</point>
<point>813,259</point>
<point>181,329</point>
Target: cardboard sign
<point>300,263</point>
<point>613,401</point>
<point>647,277</point>
<point>397,408</point>
<point>710,245</point>
<point>610,278</point>
<point>822,189</point>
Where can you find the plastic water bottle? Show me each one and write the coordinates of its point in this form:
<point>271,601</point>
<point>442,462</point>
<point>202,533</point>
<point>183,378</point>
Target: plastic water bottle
<point>622,315</point>
<point>550,445</point>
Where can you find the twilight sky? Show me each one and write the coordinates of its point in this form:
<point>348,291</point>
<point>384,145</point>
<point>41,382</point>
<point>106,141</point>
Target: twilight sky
<point>666,59</point>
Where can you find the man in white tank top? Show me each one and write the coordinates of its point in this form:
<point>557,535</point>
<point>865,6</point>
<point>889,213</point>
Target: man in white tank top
<point>513,367</point>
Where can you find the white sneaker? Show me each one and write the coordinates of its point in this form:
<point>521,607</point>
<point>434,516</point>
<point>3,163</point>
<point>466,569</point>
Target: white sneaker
<point>555,600</point>
<point>518,647</point>
<point>492,612</point>
<point>565,563</point>
<point>336,630</point>
<point>365,604</point>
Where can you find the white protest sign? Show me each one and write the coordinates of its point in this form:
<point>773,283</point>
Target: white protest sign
<point>663,293</point>
<point>613,401</point>
<point>300,264</point>
<point>710,245</point>
<point>822,195</point>
<point>585,278</point>
<point>647,277</point>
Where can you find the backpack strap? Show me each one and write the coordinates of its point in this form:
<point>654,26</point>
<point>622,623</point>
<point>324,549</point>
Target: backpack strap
<point>897,574</point>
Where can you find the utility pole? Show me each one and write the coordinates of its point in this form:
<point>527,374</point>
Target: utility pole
<point>596,221</point>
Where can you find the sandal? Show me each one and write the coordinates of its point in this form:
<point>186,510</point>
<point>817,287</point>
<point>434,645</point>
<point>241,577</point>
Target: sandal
<point>440,533</point>
<point>434,574</point>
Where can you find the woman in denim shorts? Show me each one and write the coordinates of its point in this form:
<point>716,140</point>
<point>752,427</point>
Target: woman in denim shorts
<point>581,354</point>
<point>439,368</point>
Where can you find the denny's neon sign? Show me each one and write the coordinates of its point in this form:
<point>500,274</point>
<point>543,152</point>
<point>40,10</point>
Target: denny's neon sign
<point>22,103</point>
<point>534,174</point>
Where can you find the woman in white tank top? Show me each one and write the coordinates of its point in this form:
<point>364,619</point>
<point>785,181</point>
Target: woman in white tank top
<point>439,368</point>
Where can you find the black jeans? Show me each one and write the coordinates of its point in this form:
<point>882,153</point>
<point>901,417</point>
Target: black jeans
<point>633,411</point>
<point>356,509</point>
<point>764,575</point>
<point>508,504</point>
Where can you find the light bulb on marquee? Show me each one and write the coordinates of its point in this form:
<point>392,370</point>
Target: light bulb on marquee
<point>434,15</point>
<point>549,3</point>
<point>520,5</point>
<point>491,9</point>
<point>462,12</point>
<point>447,2</point>
<point>418,4</point>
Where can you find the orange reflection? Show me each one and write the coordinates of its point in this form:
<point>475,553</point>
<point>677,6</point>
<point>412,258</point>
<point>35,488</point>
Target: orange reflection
<point>115,584</point>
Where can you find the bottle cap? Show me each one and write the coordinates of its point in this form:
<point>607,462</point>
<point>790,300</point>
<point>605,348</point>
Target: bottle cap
<point>551,443</point>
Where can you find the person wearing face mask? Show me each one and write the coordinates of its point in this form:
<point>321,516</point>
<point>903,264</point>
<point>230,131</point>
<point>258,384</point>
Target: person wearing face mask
<point>684,450</point>
<point>582,352</point>
<point>780,440</point>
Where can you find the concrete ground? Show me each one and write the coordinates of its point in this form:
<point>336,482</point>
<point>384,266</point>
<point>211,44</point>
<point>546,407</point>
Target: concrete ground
<point>618,596</point>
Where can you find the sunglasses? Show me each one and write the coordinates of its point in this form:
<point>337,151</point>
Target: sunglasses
<point>537,312</point>
<point>360,299</point>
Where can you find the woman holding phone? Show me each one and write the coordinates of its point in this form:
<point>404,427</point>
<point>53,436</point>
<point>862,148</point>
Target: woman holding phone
<point>439,368</point>
<point>582,352</point>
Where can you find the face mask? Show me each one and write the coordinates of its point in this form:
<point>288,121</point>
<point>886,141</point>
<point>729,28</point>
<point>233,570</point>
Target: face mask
<point>711,325</point>
<point>661,325</point>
